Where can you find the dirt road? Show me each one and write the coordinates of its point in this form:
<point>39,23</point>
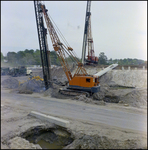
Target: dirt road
<point>78,111</point>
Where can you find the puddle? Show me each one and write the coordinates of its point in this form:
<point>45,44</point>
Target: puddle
<point>48,138</point>
<point>46,145</point>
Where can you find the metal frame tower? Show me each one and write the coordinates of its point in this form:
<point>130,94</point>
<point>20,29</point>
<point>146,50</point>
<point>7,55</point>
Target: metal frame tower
<point>44,51</point>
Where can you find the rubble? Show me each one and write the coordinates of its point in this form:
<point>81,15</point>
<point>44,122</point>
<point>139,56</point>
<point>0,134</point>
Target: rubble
<point>103,142</point>
<point>88,100</point>
<point>31,86</point>
<point>21,143</point>
<point>135,98</point>
<point>10,83</point>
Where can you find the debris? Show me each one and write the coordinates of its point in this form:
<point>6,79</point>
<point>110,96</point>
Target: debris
<point>21,143</point>
<point>31,86</point>
<point>103,142</point>
<point>135,98</point>
<point>10,83</point>
<point>88,100</point>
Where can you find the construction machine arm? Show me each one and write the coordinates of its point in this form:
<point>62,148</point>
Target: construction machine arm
<point>87,39</point>
<point>88,13</point>
<point>91,53</point>
<point>80,81</point>
<point>61,49</point>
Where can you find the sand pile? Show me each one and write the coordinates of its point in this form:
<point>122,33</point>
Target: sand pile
<point>10,83</point>
<point>31,86</point>
<point>131,97</point>
<point>131,78</point>
<point>88,100</point>
<point>135,98</point>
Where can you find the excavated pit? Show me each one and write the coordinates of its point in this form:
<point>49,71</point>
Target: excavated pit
<point>48,138</point>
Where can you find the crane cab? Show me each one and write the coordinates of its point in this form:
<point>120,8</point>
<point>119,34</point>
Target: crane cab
<point>85,83</point>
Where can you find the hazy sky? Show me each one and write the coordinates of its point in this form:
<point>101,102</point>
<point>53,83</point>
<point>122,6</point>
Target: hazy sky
<point>119,28</point>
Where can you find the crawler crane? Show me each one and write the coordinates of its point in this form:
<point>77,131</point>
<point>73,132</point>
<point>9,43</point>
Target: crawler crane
<point>80,82</point>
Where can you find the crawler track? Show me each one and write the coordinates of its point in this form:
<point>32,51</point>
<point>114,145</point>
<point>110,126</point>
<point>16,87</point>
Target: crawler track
<point>73,92</point>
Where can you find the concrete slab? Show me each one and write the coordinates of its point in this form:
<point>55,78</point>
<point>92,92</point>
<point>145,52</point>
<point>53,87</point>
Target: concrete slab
<point>55,120</point>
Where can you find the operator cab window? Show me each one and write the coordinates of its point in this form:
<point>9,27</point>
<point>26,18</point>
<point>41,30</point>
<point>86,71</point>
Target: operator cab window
<point>87,80</point>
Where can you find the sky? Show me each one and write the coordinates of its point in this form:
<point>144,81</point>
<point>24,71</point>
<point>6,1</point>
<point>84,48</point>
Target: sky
<point>119,28</point>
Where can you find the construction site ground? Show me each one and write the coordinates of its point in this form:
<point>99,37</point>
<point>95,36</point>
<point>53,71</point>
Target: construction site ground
<point>114,118</point>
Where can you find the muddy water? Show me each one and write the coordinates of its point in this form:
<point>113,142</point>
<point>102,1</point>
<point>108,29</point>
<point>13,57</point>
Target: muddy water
<point>46,145</point>
<point>49,138</point>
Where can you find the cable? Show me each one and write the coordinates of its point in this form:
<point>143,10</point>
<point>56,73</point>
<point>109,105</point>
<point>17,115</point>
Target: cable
<point>60,34</point>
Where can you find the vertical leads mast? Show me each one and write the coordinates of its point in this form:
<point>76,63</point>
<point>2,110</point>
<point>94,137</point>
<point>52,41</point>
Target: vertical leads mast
<point>86,31</point>
<point>91,53</point>
<point>44,52</point>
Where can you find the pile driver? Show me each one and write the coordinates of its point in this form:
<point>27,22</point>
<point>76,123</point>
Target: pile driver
<point>80,82</point>
<point>87,39</point>
<point>44,51</point>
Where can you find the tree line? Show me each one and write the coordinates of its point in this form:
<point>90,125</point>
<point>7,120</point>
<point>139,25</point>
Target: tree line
<point>103,60</point>
<point>28,57</point>
<point>32,57</point>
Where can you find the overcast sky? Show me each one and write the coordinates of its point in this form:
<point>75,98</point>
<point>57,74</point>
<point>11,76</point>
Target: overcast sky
<point>119,28</point>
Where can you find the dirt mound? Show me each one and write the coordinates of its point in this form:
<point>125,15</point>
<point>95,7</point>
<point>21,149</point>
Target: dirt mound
<point>135,98</point>
<point>132,78</point>
<point>88,100</point>
<point>131,97</point>
<point>106,78</point>
<point>10,83</point>
<point>20,143</point>
<point>103,142</point>
<point>54,92</point>
<point>101,94</point>
<point>31,86</point>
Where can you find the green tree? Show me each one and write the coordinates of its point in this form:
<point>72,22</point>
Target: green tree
<point>11,57</point>
<point>110,61</point>
<point>29,59</point>
<point>20,54</point>
<point>54,58</point>
<point>37,57</point>
<point>102,59</point>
